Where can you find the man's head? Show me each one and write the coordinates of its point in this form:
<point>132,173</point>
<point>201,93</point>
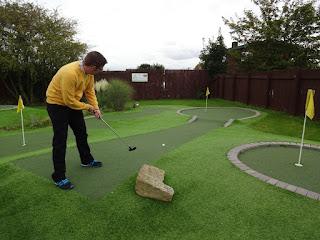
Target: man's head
<point>94,62</point>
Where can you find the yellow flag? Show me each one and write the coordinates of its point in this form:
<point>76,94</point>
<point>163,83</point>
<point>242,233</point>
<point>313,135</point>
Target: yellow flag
<point>207,92</point>
<point>20,104</point>
<point>310,104</point>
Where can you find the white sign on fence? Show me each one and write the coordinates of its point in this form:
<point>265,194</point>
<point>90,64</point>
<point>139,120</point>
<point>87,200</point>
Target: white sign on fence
<point>139,77</point>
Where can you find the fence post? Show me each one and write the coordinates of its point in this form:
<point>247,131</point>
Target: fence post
<point>223,85</point>
<point>297,76</point>
<point>218,87</point>
<point>248,88</point>
<point>234,91</point>
<point>267,103</point>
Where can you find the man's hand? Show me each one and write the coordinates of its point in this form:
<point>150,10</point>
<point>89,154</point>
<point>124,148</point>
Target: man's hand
<point>91,109</point>
<point>97,113</point>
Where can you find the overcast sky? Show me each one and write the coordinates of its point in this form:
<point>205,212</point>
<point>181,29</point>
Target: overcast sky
<point>169,32</point>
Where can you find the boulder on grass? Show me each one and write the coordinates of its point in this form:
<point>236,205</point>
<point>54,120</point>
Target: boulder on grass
<point>149,183</point>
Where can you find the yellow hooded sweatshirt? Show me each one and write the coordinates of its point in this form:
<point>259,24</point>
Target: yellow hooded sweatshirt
<point>68,85</point>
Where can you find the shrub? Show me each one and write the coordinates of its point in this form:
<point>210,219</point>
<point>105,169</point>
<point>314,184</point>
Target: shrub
<point>37,122</point>
<point>118,93</point>
<point>101,88</point>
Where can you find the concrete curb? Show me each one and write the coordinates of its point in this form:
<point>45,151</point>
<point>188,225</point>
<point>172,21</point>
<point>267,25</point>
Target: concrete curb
<point>233,157</point>
<point>228,123</point>
<point>8,107</point>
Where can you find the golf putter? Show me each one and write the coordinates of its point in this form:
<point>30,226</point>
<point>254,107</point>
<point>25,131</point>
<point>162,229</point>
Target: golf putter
<point>130,148</point>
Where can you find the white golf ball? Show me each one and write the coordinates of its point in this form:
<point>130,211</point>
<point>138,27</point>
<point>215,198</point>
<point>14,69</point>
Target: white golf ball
<point>163,144</point>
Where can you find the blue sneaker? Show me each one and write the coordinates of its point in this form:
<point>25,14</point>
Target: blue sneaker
<point>94,163</point>
<point>64,184</point>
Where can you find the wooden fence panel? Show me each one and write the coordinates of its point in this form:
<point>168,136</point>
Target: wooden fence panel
<point>123,75</point>
<point>174,83</point>
<point>163,84</point>
<point>185,83</point>
<point>281,95</point>
<point>229,88</point>
<point>153,89</point>
<point>215,87</point>
<point>283,90</point>
<point>258,89</point>
<point>309,79</point>
<point>241,88</point>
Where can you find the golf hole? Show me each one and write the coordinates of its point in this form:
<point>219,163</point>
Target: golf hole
<point>275,163</point>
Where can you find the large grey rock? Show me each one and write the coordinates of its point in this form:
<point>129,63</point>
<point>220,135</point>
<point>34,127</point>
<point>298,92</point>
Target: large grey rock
<point>149,183</point>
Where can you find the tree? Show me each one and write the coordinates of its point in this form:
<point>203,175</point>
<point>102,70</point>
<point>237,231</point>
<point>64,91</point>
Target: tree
<point>285,35</point>
<point>198,67</point>
<point>35,43</point>
<point>157,66</point>
<point>144,66</point>
<point>148,66</point>
<point>213,56</point>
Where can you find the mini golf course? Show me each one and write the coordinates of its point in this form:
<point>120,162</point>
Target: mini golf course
<point>278,160</point>
<point>213,197</point>
<point>119,163</point>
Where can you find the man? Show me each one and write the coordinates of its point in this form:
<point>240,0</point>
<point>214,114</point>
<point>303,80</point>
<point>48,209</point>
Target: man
<point>65,109</point>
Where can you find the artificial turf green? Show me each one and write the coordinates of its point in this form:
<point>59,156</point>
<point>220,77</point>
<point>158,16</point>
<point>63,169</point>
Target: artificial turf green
<point>10,145</point>
<point>119,162</point>
<point>279,162</point>
<point>213,199</point>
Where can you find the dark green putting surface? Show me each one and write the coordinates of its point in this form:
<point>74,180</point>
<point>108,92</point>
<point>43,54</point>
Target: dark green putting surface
<point>119,163</point>
<point>11,145</point>
<point>279,162</point>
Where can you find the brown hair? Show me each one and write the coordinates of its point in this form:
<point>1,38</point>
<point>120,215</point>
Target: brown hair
<point>94,58</point>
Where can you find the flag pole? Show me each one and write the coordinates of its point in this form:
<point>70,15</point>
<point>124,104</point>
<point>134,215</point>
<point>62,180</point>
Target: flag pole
<point>23,139</point>
<point>207,94</point>
<point>206,102</point>
<point>304,128</point>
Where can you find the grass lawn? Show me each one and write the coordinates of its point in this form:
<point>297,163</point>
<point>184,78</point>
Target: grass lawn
<point>213,198</point>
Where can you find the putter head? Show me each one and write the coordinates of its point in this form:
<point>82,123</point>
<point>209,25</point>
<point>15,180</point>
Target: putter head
<point>132,148</point>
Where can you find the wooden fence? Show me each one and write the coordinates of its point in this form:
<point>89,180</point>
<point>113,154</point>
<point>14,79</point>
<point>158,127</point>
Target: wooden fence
<point>283,90</point>
<point>186,83</point>
<point>163,83</point>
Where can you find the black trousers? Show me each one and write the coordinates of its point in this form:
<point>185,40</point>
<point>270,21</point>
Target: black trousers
<point>62,117</point>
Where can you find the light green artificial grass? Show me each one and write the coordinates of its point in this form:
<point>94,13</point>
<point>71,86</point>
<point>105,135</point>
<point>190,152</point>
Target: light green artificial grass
<point>288,125</point>
<point>213,198</point>
<point>33,117</point>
